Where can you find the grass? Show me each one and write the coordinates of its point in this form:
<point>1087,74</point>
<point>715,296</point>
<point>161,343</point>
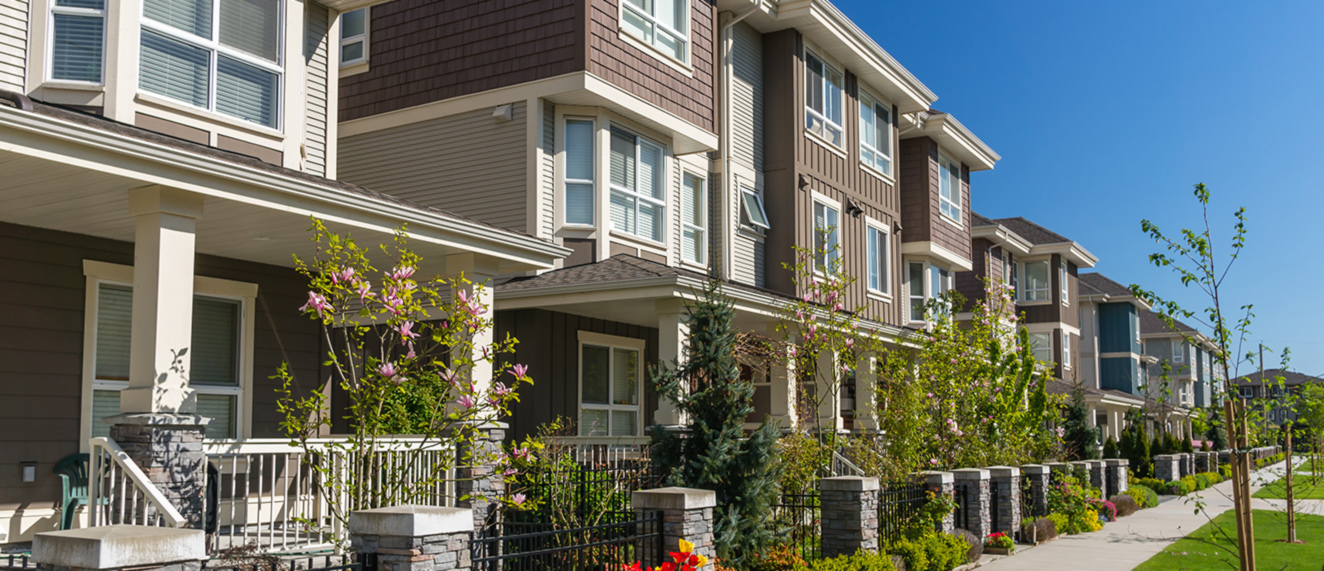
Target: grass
<point>1301,488</point>
<point>1195,554</point>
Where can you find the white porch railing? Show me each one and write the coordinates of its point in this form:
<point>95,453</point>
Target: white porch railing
<point>119,493</point>
<point>604,449</point>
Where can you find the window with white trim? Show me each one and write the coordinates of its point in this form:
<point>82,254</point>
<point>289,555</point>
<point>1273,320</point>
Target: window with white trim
<point>659,23</point>
<point>78,40</point>
<point>926,281</point>
<point>751,205</point>
<point>610,382</point>
<point>694,218</point>
<point>219,55</point>
<point>823,99</point>
<point>1008,271</point>
<point>1178,351</point>
<point>579,207</point>
<point>638,188</point>
<point>215,373</point>
<point>1035,282</point>
<point>949,187</point>
<point>827,238</point>
<point>354,37</point>
<point>879,267</point>
<point>1062,275</point>
<point>1041,345</point>
<point>875,133</point>
<point>1066,349</point>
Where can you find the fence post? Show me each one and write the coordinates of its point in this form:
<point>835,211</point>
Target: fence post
<point>139,547</point>
<point>413,538</point>
<point>1166,468</point>
<point>687,514</point>
<point>1038,475</point>
<point>1081,470</point>
<point>1058,470</point>
<point>850,514</point>
<point>168,449</point>
<point>976,496</point>
<point>940,483</point>
<point>1189,459</point>
<point>1117,479</point>
<point>1096,477</point>
<point>1008,479</point>
<point>479,483</point>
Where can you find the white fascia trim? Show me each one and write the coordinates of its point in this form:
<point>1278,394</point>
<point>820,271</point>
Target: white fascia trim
<point>688,137</point>
<point>1002,236</point>
<point>956,137</point>
<point>1072,251</point>
<point>937,253</point>
<point>88,147</point>
<point>1117,400</point>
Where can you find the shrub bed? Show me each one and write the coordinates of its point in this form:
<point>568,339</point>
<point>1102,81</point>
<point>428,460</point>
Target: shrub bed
<point>1125,504</point>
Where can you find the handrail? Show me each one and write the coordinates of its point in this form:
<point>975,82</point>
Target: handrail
<point>283,445</point>
<point>841,465</point>
<point>602,440</point>
<point>99,476</point>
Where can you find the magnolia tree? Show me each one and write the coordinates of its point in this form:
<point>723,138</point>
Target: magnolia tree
<point>403,352</point>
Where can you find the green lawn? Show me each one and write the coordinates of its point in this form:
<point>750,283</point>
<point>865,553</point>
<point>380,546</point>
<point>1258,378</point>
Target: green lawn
<point>1192,553</point>
<point>1302,489</point>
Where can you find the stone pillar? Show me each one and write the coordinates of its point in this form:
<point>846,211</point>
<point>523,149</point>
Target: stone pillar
<point>1058,470</point>
<point>478,485</point>
<point>1190,463</point>
<point>1008,481</point>
<point>168,449</point>
<point>940,483</point>
<point>136,547</point>
<point>687,514</point>
<point>1166,467</point>
<point>1081,470</point>
<point>1097,478</point>
<point>975,481</point>
<point>1038,475</point>
<point>1201,462</point>
<point>850,514</point>
<point>1117,477</point>
<point>413,538</point>
<point>672,333</point>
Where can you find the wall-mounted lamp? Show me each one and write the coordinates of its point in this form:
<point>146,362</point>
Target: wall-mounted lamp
<point>853,207</point>
<point>503,112</point>
<point>29,470</point>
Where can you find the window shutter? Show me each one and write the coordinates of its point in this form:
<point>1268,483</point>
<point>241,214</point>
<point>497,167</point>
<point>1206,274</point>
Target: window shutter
<point>251,26</point>
<point>114,323</point>
<point>192,16</point>
<point>221,410</point>
<point>245,91</point>
<point>78,44</point>
<point>173,69</point>
<point>104,403</point>
<point>215,351</point>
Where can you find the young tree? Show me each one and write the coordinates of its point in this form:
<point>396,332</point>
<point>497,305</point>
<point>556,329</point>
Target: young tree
<point>1079,437</point>
<point>712,452</point>
<point>1310,410</point>
<point>1110,448</point>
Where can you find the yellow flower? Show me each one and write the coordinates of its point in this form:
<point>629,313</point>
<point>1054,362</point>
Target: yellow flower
<point>686,547</point>
<point>702,560</point>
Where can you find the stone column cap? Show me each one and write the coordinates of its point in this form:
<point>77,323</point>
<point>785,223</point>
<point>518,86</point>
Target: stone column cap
<point>157,419</point>
<point>116,546</point>
<point>1003,471</point>
<point>1095,463</point>
<point>411,521</point>
<point>848,484</point>
<point>970,474</point>
<point>1035,469</point>
<point>1058,465</point>
<point>1085,463</point>
<point>673,498</point>
<point>1118,462</point>
<point>936,477</point>
<point>1167,457</point>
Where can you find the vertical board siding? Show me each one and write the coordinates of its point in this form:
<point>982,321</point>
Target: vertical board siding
<point>429,50</point>
<point>643,73</point>
<point>470,164</point>
<point>547,176</point>
<point>317,61</point>
<point>13,44</point>
<point>747,147</point>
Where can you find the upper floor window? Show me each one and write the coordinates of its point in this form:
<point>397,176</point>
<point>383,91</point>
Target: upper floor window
<point>580,152</point>
<point>949,187</point>
<point>78,32</point>
<point>823,99</point>
<point>220,55</point>
<point>638,193</point>
<point>827,238</point>
<point>1062,275</point>
<point>875,134</point>
<point>1066,349</point>
<point>1178,351</point>
<point>659,23</point>
<point>1041,345</point>
<point>927,281</point>
<point>879,255</point>
<point>354,37</point>
<point>1008,270</point>
<point>693,214</point>
<point>752,207</point>
<point>1035,277</point>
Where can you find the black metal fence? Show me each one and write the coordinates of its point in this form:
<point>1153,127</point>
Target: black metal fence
<point>521,543</point>
<point>996,495</point>
<point>237,561</point>
<point>801,516</point>
<point>589,488</point>
<point>961,495</point>
<point>899,506</point>
<point>17,561</point>
<point>1028,509</point>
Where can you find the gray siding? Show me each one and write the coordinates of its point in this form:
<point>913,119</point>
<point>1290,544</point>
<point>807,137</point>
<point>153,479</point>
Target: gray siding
<point>747,146</point>
<point>547,176</point>
<point>315,52</point>
<point>13,44</point>
<point>470,164</point>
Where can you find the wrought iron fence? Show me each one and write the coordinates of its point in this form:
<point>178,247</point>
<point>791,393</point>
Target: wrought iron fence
<point>961,495</point>
<point>1028,509</point>
<point>324,562</point>
<point>516,541</point>
<point>899,504</point>
<point>801,517</point>
<point>996,495</point>
<point>17,561</point>
<point>582,489</point>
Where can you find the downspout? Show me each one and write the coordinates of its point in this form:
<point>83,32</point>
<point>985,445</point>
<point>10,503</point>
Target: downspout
<point>722,261</point>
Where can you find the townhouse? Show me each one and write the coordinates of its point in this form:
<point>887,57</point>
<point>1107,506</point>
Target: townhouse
<point>159,162</point>
<point>664,144</point>
<point>1270,391</point>
<point>1182,362</point>
<point>1111,352</point>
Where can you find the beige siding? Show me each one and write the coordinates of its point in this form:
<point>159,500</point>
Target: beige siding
<point>547,176</point>
<point>747,262</point>
<point>13,44</point>
<point>471,164</point>
<point>315,55</point>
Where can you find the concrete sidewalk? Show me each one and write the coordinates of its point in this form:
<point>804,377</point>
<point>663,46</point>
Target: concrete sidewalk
<point>1130,541</point>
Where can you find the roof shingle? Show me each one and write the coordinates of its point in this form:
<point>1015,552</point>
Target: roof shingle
<point>1097,283</point>
<point>1032,232</point>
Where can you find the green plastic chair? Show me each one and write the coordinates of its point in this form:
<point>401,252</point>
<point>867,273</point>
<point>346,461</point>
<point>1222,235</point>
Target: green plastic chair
<point>73,481</point>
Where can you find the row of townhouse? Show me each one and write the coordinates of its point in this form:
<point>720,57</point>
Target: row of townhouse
<point>1272,391</point>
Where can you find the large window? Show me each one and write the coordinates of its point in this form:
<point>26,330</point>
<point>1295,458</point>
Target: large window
<point>638,195</point>
<point>1062,275</point>
<point>1035,283</point>
<point>219,55</point>
<point>609,387</point>
<point>751,204</point>
<point>823,99</point>
<point>215,353</point>
<point>949,187</point>
<point>1178,351</point>
<point>354,37</point>
<point>879,266</point>
<point>1041,345</point>
<point>78,33</point>
<point>827,238</point>
<point>659,23</point>
<point>926,281</point>
<point>580,170</point>
<point>875,134</point>
<point>693,208</point>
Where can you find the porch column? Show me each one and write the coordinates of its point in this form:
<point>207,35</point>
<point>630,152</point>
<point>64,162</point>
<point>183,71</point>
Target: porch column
<point>866,399</point>
<point>478,483</point>
<point>1115,420</point>
<point>672,334</point>
<point>476,271</point>
<point>827,391</point>
<point>783,385</point>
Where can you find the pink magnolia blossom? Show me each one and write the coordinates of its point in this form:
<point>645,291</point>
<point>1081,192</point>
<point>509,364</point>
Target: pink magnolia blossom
<point>364,290</point>
<point>466,401</point>
<point>510,472</point>
<point>388,371</point>
<point>518,499</point>
<point>317,302</point>
<point>402,272</point>
<point>520,371</point>
<point>449,376</point>
<point>850,342</point>
<point>344,275</point>
<point>406,330</point>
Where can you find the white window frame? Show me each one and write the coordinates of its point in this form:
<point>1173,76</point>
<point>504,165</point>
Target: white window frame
<point>663,221</point>
<point>1062,275</point>
<point>360,38</point>
<point>1024,292</point>
<point>50,35</point>
<point>98,273</point>
<point>1066,349</point>
<point>1036,349</point>
<point>927,288</point>
<point>702,228</point>
<point>612,342</point>
<point>751,201</point>
<point>566,181</point>
<point>810,113</point>
<point>949,207</point>
<point>866,150</point>
<point>1178,350</point>
<point>882,256</point>
<point>823,267</point>
<point>652,20</point>
<point>215,49</point>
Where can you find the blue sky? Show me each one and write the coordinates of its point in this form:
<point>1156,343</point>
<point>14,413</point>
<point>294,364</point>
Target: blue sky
<point>1106,113</point>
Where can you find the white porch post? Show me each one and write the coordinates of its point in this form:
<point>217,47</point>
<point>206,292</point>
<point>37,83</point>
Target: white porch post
<point>827,392</point>
<point>866,399</point>
<point>783,385</point>
<point>672,334</point>
<point>477,271</point>
<point>1115,419</point>
<point>163,253</point>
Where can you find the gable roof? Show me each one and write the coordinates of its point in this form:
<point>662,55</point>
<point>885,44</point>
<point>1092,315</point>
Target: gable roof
<point>1291,378</point>
<point>1097,283</point>
<point>1034,233</point>
<point>1151,323</point>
